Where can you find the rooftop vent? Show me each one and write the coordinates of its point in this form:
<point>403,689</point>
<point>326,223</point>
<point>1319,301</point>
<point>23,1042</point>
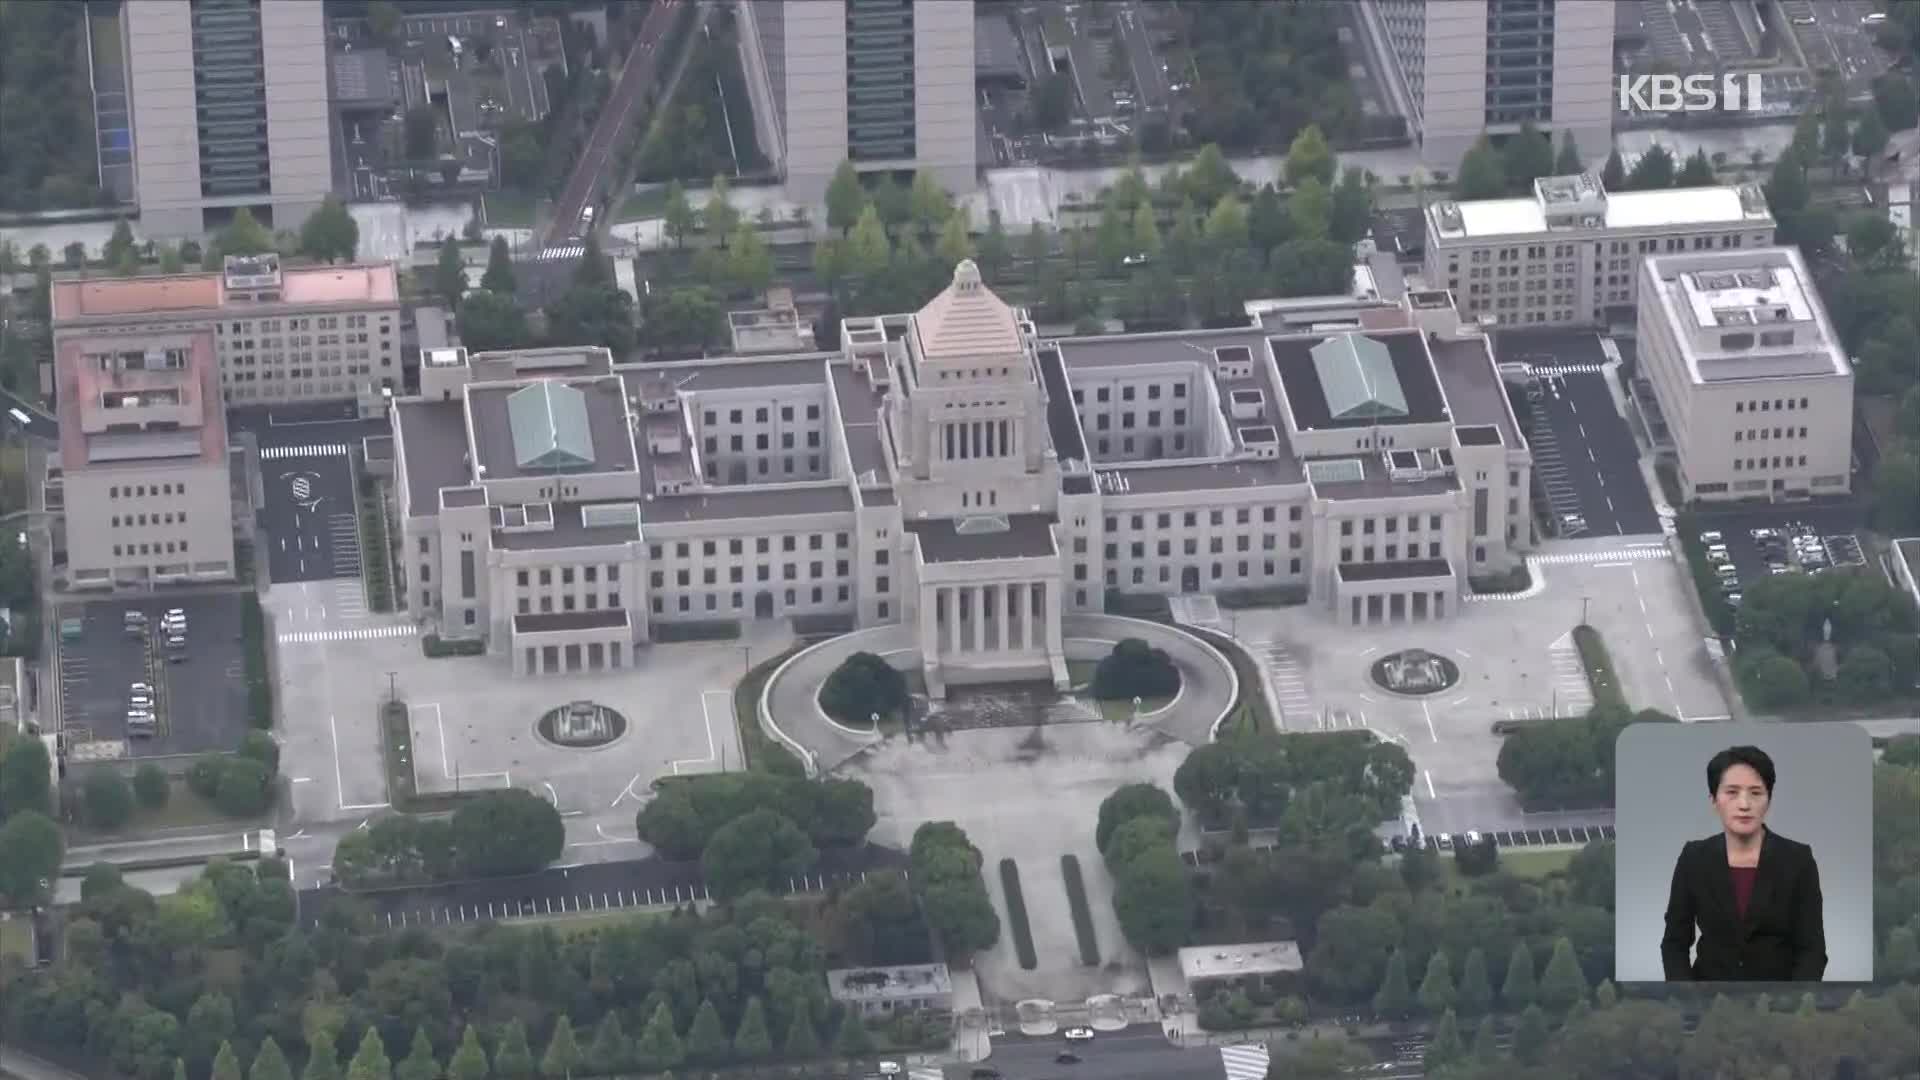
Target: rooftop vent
<point>1337,471</point>
<point>252,271</point>
<point>606,515</point>
<point>979,524</point>
<point>1448,214</point>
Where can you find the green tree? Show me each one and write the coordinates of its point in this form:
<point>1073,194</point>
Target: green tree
<point>678,217</point>
<point>271,1064</point>
<point>852,1040</point>
<point>1482,173</point>
<point>928,203</point>
<point>1351,214</point>
<point>1436,993</point>
<point>450,272</point>
<point>26,779</point>
<point>720,214</point>
<point>1527,156</point>
<point>226,1065</point>
<point>1211,179</point>
<point>109,800</point>
<point>749,263</point>
<point>171,261</point>
<point>502,833</point>
<point>563,1051</point>
<point>151,786</point>
<point>1653,172</point>
<point>383,19</point>
<point>707,1039</point>
<point>1613,175</point>
<point>1562,984</point>
<point>1153,899</point>
<point>1226,227</point>
<point>868,252</point>
<point>1310,156</point>
<point>611,1051</point>
<point>1394,998</point>
<point>755,851</point>
<point>955,243</point>
<point>179,1069</point>
<point>1697,171</point>
<point>1112,238</point>
<point>1517,991</point>
<point>469,1061</point>
<point>1129,802</point>
<point>244,236</point>
<point>499,277</point>
<point>1444,1048</point>
<point>1606,997</point>
<point>1475,994</point>
<point>420,1062</point>
<point>121,244</point>
<point>1486,1045</point>
<point>994,250</point>
<point>1568,161</point>
<point>488,320</point>
<point>751,1041</point>
<point>1836,128</point>
<point>1895,101</point>
<point>1870,136</point>
<point>370,1061</point>
<point>803,1043</point>
<point>1530,1036</point>
<point>330,233</point>
<point>323,1061</point>
<point>30,854</point>
<point>209,1026</point>
<point>512,1057</point>
<point>75,255</point>
<point>846,199</point>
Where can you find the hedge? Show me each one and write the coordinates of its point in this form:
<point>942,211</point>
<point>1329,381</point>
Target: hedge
<point>1017,914</point>
<point>1270,596</point>
<point>1082,915</point>
<point>437,647</point>
<point>705,630</point>
<point>1600,674</point>
<point>253,640</point>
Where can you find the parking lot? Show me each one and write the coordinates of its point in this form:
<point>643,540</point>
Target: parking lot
<point>1782,545</point>
<point>199,702</point>
<point>1586,461</point>
<point>1833,34</point>
<point>309,522</point>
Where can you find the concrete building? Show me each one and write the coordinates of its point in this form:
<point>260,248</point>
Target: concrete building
<point>951,470</point>
<point>886,84</point>
<point>1462,68</point>
<point>141,477</point>
<point>1570,253</point>
<point>1272,965</point>
<point>292,334</point>
<point>878,993</point>
<point>229,109</point>
<point>1749,372</point>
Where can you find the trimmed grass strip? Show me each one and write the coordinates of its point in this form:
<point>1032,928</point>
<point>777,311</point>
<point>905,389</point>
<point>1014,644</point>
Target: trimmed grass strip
<point>1017,914</point>
<point>1082,915</point>
<point>1599,664</point>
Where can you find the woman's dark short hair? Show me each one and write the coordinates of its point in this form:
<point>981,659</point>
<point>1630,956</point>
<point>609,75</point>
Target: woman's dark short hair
<point>1751,756</point>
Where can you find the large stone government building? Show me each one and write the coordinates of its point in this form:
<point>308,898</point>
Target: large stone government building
<point>952,470</point>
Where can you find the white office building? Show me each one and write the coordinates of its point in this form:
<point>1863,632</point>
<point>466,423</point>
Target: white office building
<point>1462,68</point>
<point>229,109</point>
<point>1569,254</point>
<point>141,480</point>
<point>281,334</point>
<point>950,470</point>
<point>1750,373</point>
<point>886,84</point>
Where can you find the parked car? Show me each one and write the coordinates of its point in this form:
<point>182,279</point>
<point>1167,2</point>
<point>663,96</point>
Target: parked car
<point>1711,538</point>
<point>1079,1034</point>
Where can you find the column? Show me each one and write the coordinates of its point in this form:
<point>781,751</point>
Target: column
<point>952,620</point>
<point>929,626</point>
<point>977,628</point>
<point>1052,616</point>
<point>1003,599</point>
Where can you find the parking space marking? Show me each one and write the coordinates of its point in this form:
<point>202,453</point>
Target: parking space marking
<point>1619,556</point>
<point>706,714</point>
<point>1339,719</point>
<point>365,633</point>
<point>339,775</point>
<point>276,453</point>
<point>1573,695</point>
<point>1289,682</point>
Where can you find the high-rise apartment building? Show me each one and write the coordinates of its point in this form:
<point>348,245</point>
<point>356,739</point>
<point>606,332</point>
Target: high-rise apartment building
<point>1750,373</point>
<point>1569,254</point>
<point>309,333</point>
<point>1460,68</point>
<point>886,84</point>
<point>229,109</point>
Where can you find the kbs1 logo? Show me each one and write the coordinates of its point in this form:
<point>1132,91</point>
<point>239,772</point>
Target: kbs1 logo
<point>1690,93</point>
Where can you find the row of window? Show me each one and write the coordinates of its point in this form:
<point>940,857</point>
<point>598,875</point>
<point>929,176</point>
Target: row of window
<point>1764,405</point>
<point>1391,524</point>
<point>737,601</point>
<point>589,574</point>
<point>1216,545</point>
<point>760,415</point>
<point>736,575</point>
<point>132,520</point>
<point>1191,518</point>
<point>157,548</point>
<point>589,601</point>
<point>761,545</point>
<point>1757,434</point>
<point>1779,462</point>
<point>1105,393</point>
<point>760,442</point>
<point>141,491</point>
<point>1216,570</point>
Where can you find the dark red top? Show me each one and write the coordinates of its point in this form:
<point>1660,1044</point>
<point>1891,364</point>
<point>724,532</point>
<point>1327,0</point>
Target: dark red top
<point>1742,886</point>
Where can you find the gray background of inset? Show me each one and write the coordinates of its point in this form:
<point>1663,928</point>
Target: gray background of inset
<point>1822,796</point>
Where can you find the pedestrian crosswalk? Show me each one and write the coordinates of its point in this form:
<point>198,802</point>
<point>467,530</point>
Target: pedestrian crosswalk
<point>554,254</point>
<point>365,633</point>
<point>343,530</point>
<point>1248,1061</point>
<point>349,600</point>
<point>276,453</point>
<point>1541,371</point>
<point>1632,554</point>
<point>926,1072</point>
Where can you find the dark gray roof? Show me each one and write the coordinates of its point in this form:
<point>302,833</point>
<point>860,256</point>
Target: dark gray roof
<point>466,496</point>
<point>720,504</point>
<point>1063,420</point>
<point>569,530</point>
<point>602,618</point>
<point>363,79</point>
<point>1121,350</point>
<point>880,496</point>
<point>984,537</point>
<point>1299,373</point>
<point>601,400</point>
<point>1393,571</point>
<point>996,51</point>
<point>433,441</point>
<point>1202,476</point>
<point>860,421</point>
<point>1473,386</point>
<point>735,373</point>
<point>1478,435</point>
<point>1378,483</point>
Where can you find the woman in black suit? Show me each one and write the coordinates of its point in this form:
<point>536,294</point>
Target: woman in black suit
<point>1753,894</point>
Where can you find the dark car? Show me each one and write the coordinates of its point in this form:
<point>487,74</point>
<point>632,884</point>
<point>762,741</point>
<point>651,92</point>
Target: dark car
<point>1066,1057</point>
<point>985,1072</point>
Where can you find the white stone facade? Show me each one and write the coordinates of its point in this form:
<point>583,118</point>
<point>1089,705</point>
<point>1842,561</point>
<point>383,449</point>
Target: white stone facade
<point>952,471</point>
<point>1750,373</point>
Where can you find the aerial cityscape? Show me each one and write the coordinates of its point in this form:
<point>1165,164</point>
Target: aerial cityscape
<point>953,539</point>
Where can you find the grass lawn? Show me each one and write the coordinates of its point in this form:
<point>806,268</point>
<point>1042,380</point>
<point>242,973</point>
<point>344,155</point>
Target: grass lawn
<point>510,209</point>
<point>16,938</point>
<point>1520,862</point>
<point>1080,674</point>
<point>640,206</point>
<point>756,745</point>
<point>1599,664</point>
<point>184,810</point>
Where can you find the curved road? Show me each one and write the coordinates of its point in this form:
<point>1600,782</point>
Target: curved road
<point>635,77</point>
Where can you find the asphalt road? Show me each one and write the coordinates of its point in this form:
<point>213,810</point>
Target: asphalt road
<point>36,422</point>
<point>1613,493</point>
<point>1140,1053</point>
<point>569,889</point>
<point>311,529</point>
<point>642,61</point>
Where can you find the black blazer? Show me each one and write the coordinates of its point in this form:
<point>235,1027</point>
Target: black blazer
<point>1783,937</point>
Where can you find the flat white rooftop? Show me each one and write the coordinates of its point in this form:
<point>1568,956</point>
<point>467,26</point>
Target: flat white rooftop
<point>1746,297</point>
<point>1743,314</point>
<point>1675,208</point>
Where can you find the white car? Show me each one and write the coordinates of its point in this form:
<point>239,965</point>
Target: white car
<point>1079,1034</point>
<point>890,1068</point>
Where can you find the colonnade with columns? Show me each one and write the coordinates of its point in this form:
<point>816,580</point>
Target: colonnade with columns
<point>962,622</point>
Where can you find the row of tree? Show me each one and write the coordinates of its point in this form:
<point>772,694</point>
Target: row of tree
<point>1567,763</point>
<point>1782,623</point>
<point>47,145</point>
<point>1152,892</point>
<point>491,834</point>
